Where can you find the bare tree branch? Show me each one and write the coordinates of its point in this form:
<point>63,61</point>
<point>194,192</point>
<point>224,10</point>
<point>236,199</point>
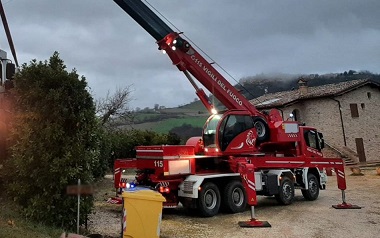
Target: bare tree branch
<point>116,106</point>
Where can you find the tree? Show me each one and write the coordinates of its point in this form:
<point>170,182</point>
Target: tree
<point>122,143</point>
<point>115,106</point>
<point>54,142</point>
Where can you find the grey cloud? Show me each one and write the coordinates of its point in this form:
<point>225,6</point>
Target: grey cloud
<point>246,37</point>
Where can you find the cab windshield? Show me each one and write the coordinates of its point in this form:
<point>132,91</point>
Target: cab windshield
<point>209,130</point>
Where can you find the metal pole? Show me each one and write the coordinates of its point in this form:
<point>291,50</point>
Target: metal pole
<point>78,206</point>
<point>3,59</point>
<point>3,73</point>
<point>252,212</point>
<point>343,196</point>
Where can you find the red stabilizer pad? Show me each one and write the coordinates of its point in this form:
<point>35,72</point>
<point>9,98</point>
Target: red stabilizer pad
<point>115,200</point>
<point>253,223</point>
<point>346,206</point>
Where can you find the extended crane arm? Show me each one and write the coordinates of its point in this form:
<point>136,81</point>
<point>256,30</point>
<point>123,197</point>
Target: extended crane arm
<point>145,17</point>
<point>186,58</point>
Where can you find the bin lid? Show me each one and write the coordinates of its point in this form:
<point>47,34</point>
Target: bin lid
<point>143,195</point>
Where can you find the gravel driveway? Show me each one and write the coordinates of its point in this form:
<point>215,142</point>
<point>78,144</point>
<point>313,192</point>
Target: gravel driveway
<point>301,219</point>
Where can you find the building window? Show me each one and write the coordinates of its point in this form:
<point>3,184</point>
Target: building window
<point>354,110</point>
<point>296,115</point>
<point>369,95</point>
<point>362,105</point>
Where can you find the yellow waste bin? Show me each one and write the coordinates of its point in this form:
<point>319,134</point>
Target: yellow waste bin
<point>142,212</point>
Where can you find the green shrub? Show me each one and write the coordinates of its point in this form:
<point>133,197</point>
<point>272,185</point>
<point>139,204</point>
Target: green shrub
<point>55,141</point>
<point>122,143</point>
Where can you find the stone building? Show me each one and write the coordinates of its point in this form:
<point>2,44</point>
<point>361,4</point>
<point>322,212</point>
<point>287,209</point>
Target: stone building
<point>348,114</point>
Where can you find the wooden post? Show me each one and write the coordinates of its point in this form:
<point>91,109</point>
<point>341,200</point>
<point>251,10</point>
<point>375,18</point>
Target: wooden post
<point>78,190</point>
<point>78,206</point>
<point>3,126</point>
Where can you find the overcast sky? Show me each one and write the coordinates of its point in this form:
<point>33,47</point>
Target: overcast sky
<point>245,37</point>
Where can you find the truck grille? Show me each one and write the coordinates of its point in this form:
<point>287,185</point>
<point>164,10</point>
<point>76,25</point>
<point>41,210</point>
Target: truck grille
<point>188,187</point>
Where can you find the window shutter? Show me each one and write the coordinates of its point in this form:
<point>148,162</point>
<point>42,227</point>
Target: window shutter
<point>354,110</point>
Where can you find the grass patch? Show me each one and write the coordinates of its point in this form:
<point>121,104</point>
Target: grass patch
<point>145,116</point>
<point>13,225</point>
<point>167,125</point>
<point>194,107</point>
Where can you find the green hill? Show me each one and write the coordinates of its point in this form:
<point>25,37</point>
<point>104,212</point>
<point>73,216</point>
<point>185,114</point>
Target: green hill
<point>186,120</point>
<point>164,126</point>
<point>192,116</point>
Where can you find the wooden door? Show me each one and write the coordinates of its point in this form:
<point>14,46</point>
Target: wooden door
<point>360,149</point>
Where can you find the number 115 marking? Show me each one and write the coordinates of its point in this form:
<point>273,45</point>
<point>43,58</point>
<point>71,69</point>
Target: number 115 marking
<point>159,163</point>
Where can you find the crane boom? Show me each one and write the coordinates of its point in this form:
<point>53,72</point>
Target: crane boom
<point>147,19</point>
<point>186,58</point>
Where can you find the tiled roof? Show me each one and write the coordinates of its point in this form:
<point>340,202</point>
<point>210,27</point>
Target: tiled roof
<point>288,97</point>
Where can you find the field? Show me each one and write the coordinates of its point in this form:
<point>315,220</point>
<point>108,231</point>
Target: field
<point>163,120</point>
<point>166,125</point>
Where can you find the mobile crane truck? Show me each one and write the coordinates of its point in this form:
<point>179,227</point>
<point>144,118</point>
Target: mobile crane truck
<point>242,153</point>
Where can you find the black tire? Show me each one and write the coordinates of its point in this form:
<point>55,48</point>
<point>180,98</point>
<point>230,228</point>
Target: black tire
<point>208,202</point>
<point>286,191</point>
<point>313,192</point>
<point>262,129</point>
<point>234,197</point>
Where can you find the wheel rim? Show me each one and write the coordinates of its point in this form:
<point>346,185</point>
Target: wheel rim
<point>210,199</point>
<point>260,128</point>
<point>313,187</point>
<point>237,196</point>
<point>287,191</point>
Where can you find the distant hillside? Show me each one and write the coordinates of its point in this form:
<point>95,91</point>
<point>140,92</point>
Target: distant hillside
<point>188,120</point>
<point>185,121</point>
<point>255,86</point>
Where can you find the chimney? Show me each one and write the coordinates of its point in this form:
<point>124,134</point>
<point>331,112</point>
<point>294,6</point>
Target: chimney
<point>302,87</point>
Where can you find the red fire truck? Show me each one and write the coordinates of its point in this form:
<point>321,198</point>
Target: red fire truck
<point>242,153</point>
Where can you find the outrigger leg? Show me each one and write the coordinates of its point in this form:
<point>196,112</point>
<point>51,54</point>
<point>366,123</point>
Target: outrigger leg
<point>247,173</point>
<point>254,222</point>
<point>345,205</point>
<point>341,179</point>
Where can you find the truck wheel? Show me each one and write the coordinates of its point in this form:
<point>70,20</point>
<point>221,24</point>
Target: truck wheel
<point>234,197</point>
<point>313,192</point>
<point>262,129</point>
<point>286,191</point>
<point>209,200</point>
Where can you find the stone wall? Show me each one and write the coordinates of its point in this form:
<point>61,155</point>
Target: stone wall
<point>324,115</point>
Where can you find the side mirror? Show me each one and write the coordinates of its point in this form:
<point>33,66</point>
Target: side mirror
<point>10,71</point>
<point>321,140</point>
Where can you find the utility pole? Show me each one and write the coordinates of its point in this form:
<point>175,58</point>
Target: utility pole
<point>3,58</point>
<point>6,72</point>
<point>3,125</point>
